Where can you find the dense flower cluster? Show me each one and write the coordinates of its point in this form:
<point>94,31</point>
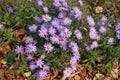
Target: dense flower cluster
<point>57,31</point>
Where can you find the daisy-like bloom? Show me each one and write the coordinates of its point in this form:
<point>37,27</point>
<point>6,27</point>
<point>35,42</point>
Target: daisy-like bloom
<point>42,56</point>
<point>55,22</point>
<point>30,57</point>
<point>94,45</point>
<point>103,19</point>
<point>78,34</point>
<point>1,26</point>
<point>52,31</point>
<point>110,40</point>
<point>61,15</point>
<point>40,2</point>
<point>33,66</point>
<point>30,48</point>
<point>48,47</point>
<point>67,72</point>
<point>46,67</point>
<point>42,74</point>
<point>54,39</point>
<point>46,18</point>
<point>37,19</point>
<point>90,21</point>
<point>67,21</point>
<point>45,9</point>
<point>10,10</point>
<point>80,2</point>
<point>28,40</point>
<point>102,29</point>
<point>19,49</point>
<point>56,3</point>
<point>118,30</point>
<point>39,63</point>
<point>73,60</point>
<point>77,56</point>
<point>68,33</point>
<point>33,28</point>
<point>43,32</point>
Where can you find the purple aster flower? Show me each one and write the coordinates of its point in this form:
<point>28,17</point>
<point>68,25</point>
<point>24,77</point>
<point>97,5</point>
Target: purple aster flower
<point>1,26</point>
<point>33,66</point>
<point>102,29</point>
<point>28,39</point>
<point>103,19</point>
<point>80,2</point>
<point>75,49</point>
<point>42,74</point>
<point>110,40</point>
<point>39,63</point>
<point>42,56</point>
<point>94,45</point>
<point>30,57</point>
<point>45,9</point>
<point>61,15</point>
<point>90,21</point>
<point>39,2</point>
<point>10,10</point>
<point>63,46</point>
<point>43,32</point>
<point>52,31</point>
<point>88,48</point>
<point>55,22</point>
<point>56,3</point>
<point>67,72</point>
<point>48,47</point>
<point>68,33</point>
<point>118,30</point>
<point>54,39</point>
<point>46,18</point>
<point>33,28</point>
<point>77,56</point>
<point>46,67</point>
<point>73,60</point>
<point>37,19</point>
<point>30,48</point>
<point>78,34</point>
<point>19,49</point>
<point>67,21</point>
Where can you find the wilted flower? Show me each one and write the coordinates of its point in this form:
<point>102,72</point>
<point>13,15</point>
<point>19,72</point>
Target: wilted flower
<point>28,40</point>
<point>40,2</point>
<point>10,10</point>
<point>42,74</point>
<point>99,9</point>
<point>1,26</point>
<point>67,72</point>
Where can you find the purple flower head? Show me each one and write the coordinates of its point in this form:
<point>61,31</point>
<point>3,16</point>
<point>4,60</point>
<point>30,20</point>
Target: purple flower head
<point>39,2</point>
<point>28,40</point>
<point>39,63</point>
<point>46,67</point>
<point>118,30</point>
<point>30,48</point>
<point>42,56</point>
<point>102,29</point>
<point>75,49</point>
<point>67,21</point>
<point>52,31</point>
<point>80,2</point>
<point>37,19</point>
<point>63,46</point>
<point>48,47</point>
<point>45,9</point>
<point>42,74</point>
<point>61,15</point>
<point>30,57</point>
<point>67,72</point>
<point>1,26</point>
<point>78,34</point>
<point>46,18</point>
<point>103,19</point>
<point>54,39</point>
<point>110,40</point>
<point>99,59</point>
<point>19,49</point>
<point>43,32</point>
<point>33,28</point>
<point>74,68</point>
<point>68,33</point>
<point>55,22</point>
<point>94,45</point>
<point>33,66</point>
<point>77,56</point>
<point>73,60</point>
<point>10,10</point>
<point>56,3</point>
<point>90,21</point>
